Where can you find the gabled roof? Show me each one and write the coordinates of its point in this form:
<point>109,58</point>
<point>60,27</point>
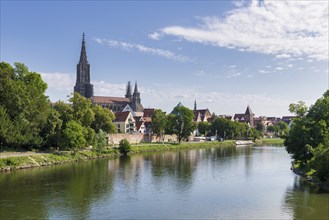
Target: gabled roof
<point>248,111</point>
<point>109,100</point>
<point>121,116</point>
<point>148,112</point>
<point>239,116</point>
<point>139,124</point>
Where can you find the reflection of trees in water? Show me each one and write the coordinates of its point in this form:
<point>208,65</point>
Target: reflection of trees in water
<point>179,166</point>
<point>53,191</point>
<point>304,201</point>
<point>129,169</point>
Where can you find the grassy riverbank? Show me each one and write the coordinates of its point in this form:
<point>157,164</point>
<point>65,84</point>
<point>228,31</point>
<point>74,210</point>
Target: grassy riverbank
<point>270,141</point>
<point>47,159</point>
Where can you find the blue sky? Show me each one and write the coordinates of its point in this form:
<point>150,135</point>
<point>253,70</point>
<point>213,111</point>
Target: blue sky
<point>224,54</point>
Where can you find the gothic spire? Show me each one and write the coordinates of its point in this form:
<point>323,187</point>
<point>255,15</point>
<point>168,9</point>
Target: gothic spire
<point>195,105</point>
<point>128,90</point>
<point>135,90</point>
<point>83,54</point>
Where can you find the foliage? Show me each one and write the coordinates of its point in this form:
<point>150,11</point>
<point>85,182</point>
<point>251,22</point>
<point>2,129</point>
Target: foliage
<point>308,138</point>
<point>100,141</point>
<point>298,108</point>
<point>22,95</point>
<point>124,146</point>
<point>159,123</point>
<point>255,134</point>
<point>182,122</point>
<point>260,127</point>
<point>169,127</point>
<point>74,136</point>
<point>103,119</point>
<point>227,129</point>
<point>281,128</point>
<point>204,127</point>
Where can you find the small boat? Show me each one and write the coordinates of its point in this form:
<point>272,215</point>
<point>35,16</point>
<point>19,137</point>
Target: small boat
<point>244,142</point>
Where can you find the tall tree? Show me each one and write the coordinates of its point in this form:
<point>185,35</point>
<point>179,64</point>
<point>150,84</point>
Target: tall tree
<point>103,120</point>
<point>159,122</point>
<point>183,122</point>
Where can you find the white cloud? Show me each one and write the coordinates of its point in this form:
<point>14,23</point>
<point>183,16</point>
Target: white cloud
<point>59,81</point>
<point>264,71</point>
<point>155,36</point>
<point>143,49</point>
<point>279,68</point>
<point>280,28</point>
<point>282,56</point>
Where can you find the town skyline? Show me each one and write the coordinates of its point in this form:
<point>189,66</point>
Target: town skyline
<point>194,55</point>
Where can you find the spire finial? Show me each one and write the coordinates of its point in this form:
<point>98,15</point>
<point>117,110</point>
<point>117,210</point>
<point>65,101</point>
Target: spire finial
<point>135,90</point>
<point>195,105</point>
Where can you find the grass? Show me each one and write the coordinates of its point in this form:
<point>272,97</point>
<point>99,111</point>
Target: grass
<point>14,163</point>
<point>271,141</point>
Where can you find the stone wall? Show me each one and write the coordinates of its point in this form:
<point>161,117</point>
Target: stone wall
<point>114,139</point>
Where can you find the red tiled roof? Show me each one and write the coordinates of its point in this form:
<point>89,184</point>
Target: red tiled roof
<point>121,116</point>
<point>109,100</point>
<point>148,112</point>
<point>139,124</point>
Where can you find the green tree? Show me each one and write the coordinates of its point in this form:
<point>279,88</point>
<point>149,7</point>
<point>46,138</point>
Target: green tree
<point>255,134</point>
<point>271,128</point>
<point>159,122</point>
<point>299,108</point>
<point>183,122</point>
<point>82,110</point>
<point>282,128</point>
<point>103,120</point>
<point>221,127</point>
<point>74,136</point>
<point>308,138</point>
<point>100,141</point>
<point>169,128</point>
<point>124,146</point>
<point>22,95</point>
<point>204,127</point>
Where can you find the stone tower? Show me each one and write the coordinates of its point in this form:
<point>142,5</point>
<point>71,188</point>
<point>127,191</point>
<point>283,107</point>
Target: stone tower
<point>83,85</point>
<point>136,101</point>
<point>249,116</point>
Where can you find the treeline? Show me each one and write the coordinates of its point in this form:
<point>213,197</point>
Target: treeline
<point>29,120</point>
<point>308,139</point>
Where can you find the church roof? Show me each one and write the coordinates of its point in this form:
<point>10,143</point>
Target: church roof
<point>109,100</point>
<point>121,116</point>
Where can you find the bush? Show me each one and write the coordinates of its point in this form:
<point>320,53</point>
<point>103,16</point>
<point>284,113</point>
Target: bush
<point>100,141</point>
<point>124,146</point>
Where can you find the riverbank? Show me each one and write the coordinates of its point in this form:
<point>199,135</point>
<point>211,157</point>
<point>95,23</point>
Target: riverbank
<point>31,160</point>
<point>25,160</point>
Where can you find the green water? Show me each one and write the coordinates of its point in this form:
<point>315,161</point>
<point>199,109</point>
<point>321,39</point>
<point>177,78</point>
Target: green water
<point>216,183</point>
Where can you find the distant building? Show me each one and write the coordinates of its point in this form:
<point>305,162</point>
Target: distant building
<point>83,85</point>
<point>125,122</point>
<point>86,89</point>
<point>247,117</point>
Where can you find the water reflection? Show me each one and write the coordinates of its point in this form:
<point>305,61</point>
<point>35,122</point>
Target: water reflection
<point>53,192</point>
<point>226,182</point>
<point>305,201</point>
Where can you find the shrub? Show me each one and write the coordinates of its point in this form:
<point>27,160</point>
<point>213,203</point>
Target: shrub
<point>124,146</point>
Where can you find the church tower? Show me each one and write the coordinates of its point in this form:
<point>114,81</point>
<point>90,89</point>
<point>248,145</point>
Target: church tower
<point>83,85</point>
<point>128,91</point>
<point>136,102</point>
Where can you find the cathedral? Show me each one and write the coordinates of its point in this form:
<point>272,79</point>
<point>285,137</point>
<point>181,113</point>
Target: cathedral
<point>131,101</point>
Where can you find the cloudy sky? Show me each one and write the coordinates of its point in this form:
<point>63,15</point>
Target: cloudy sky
<point>224,54</point>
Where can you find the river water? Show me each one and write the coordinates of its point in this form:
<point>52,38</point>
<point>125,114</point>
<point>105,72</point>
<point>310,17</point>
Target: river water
<point>213,183</point>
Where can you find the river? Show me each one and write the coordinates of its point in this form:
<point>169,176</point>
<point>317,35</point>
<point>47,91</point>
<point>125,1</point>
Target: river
<point>213,183</point>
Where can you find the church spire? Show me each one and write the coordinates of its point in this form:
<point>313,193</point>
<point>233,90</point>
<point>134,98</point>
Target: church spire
<point>83,85</point>
<point>135,90</point>
<point>195,105</point>
<point>128,90</point>
<point>83,54</point>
